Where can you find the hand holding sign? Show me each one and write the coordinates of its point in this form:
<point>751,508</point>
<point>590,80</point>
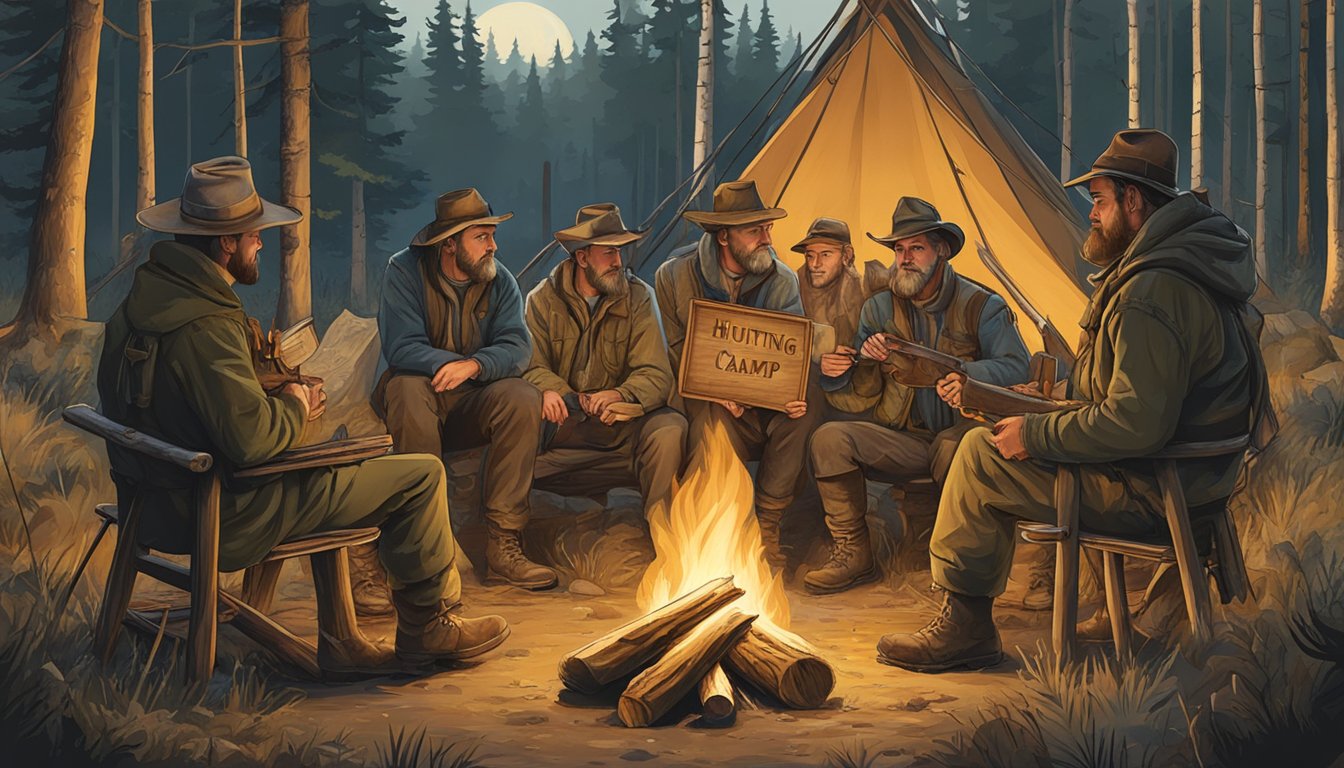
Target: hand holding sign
<point>740,356</point>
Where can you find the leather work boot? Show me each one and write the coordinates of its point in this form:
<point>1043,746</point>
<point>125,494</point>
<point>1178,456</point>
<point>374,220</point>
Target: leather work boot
<point>845,499</point>
<point>350,659</point>
<point>770,521</point>
<point>429,633</point>
<point>368,582</point>
<point>506,563</point>
<point>962,635</point>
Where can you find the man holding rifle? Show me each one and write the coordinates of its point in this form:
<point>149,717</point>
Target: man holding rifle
<point>911,428</point>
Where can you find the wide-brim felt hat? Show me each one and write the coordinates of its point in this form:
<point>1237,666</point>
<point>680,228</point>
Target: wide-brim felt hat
<point>1142,155</point>
<point>218,198</point>
<point>735,203</point>
<point>598,224</point>
<point>916,217</point>
<point>455,211</point>
<point>824,230</point>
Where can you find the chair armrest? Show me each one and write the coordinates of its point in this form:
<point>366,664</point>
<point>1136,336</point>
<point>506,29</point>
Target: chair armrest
<point>333,453</point>
<point>93,422</point>
<point>1203,450</point>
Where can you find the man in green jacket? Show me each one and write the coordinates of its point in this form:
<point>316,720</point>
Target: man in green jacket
<point>599,359</point>
<point>1165,357</point>
<point>177,364</point>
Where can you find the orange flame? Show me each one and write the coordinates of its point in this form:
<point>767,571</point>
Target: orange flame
<point>710,531</point>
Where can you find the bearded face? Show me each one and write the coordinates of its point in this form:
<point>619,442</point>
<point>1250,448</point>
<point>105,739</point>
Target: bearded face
<point>473,252</point>
<point>244,264</point>
<point>907,281</point>
<point>480,269</point>
<point>610,282</point>
<point>757,260</point>
<point>1108,239</point>
<point>750,246</point>
<point>916,260</point>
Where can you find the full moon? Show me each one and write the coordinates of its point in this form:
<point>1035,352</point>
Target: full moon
<point>536,29</point>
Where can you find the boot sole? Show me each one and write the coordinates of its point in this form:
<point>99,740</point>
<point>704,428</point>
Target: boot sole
<point>494,579</point>
<point>867,578</point>
<point>974,662</point>
<point>426,659</point>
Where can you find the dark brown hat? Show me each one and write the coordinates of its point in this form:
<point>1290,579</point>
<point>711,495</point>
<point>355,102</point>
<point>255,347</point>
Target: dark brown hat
<point>455,211</point>
<point>218,198</point>
<point>598,224</point>
<point>735,203</point>
<point>824,230</point>
<point>916,217</point>
<point>1142,155</point>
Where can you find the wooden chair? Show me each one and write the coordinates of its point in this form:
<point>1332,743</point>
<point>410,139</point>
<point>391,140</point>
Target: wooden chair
<point>1224,560</point>
<point>331,573</point>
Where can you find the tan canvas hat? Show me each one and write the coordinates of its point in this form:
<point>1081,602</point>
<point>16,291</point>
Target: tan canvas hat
<point>455,211</point>
<point>598,224</point>
<point>1143,155</point>
<point>824,230</point>
<point>218,198</point>
<point>916,217</point>
<point>735,203</point>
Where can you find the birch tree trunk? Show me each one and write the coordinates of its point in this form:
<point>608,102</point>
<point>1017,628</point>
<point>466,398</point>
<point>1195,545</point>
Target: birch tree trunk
<point>1196,96</point>
<point>358,270</point>
<point>1303,138</point>
<point>144,186</point>
<point>186,80</point>
<point>1227,112</point>
<point>55,278</point>
<point>704,95</point>
<point>1261,143</point>
<point>1332,302</point>
<point>114,132</point>
<point>1133,6</point>
<point>296,291</point>
<point>1066,126</point>
<point>1157,115</point>
<point>239,84</point>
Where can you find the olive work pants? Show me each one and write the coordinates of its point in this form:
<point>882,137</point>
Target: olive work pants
<point>645,453</point>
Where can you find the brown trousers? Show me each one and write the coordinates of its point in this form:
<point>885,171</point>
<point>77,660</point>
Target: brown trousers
<point>884,453</point>
<point>504,415</point>
<point>646,453</point>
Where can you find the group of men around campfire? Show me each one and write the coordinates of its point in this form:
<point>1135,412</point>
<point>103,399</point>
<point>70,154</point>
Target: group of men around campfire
<point>572,389</point>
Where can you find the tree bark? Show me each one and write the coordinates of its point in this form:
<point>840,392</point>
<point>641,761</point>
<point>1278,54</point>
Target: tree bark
<point>704,95</point>
<point>1303,138</point>
<point>1066,127</point>
<point>358,245</point>
<point>1157,67</point>
<point>186,81</point>
<point>1133,6</point>
<point>296,292</point>
<point>1227,112</point>
<point>1197,95</point>
<point>114,133</point>
<point>1332,302</point>
<point>1261,141</point>
<point>239,83</point>
<point>144,187</point>
<point>627,648</point>
<point>781,667</point>
<point>55,278</point>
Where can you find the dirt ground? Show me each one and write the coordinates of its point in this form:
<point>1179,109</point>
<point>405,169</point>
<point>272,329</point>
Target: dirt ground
<point>515,709</point>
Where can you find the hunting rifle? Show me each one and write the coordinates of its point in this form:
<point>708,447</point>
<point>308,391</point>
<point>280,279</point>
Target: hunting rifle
<point>1055,345</point>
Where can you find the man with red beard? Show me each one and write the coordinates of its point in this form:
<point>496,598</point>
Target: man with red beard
<point>1168,355</point>
<point>599,359</point>
<point>905,431</point>
<point>735,262</point>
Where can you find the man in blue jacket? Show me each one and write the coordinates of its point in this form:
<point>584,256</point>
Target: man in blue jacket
<point>456,344</point>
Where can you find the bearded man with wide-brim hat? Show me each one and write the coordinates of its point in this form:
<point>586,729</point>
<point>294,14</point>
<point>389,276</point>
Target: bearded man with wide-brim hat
<point>735,262</point>
<point>177,364</point>
<point>1169,354</point>
<point>903,426</point>
<point>456,345</point>
<point>599,359</point>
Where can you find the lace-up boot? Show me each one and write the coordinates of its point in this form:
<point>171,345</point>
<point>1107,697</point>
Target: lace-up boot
<point>429,633</point>
<point>506,563</point>
<point>368,582</point>
<point>845,499</point>
<point>961,635</point>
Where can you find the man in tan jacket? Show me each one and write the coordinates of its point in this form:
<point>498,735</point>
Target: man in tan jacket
<point>599,359</point>
<point>830,287</point>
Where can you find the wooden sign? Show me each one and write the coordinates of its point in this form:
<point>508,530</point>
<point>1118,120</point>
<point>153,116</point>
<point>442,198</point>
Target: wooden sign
<point>750,356</point>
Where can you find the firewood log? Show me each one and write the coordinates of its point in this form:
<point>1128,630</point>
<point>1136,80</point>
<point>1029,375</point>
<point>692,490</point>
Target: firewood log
<point>632,646</point>
<point>782,667</point>
<point>717,701</point>
<point>655,690</point>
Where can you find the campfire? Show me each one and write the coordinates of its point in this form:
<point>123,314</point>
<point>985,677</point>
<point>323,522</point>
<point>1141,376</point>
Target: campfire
<point>717,619</point>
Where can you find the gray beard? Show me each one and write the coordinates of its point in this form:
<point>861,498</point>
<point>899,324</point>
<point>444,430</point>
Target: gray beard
<point>907,283</point>
<point>612,285</point>
<point>482,271</point>
<point>757,262</point>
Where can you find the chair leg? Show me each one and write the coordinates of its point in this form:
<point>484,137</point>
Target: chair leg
<point>259,584</point>
<point>1064,630</point>
<point>1193,583</point>
<point>1117,603</point>
<point>120,584</point>
<point>204,622</point>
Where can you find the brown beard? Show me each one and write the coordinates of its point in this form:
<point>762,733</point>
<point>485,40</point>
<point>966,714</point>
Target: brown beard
<point>245,272</point>
<point>755,262</point>
<point>480,271</point>
<point>1106,244</point>
<point>907,283</point>
<point>611,284</point>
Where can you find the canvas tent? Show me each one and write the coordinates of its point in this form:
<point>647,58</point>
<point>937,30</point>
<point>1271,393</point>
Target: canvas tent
<point>891,112</point>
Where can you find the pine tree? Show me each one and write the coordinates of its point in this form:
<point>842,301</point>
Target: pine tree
<point>26,97</point>
<point>742,57</point>
<point>557,73</point>
<point>532,111</point>
<point>494,68</point>
<point>515,64</point>
<point>765,48</point>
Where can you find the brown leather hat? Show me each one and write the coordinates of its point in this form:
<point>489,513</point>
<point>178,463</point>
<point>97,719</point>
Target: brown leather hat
<point>598,224</point>
<point>824,230</point>
<point>218,198</point>
<point>455,211</point>
<point>916,217</point>
<point>1143,155</point>
<point>735,203</point>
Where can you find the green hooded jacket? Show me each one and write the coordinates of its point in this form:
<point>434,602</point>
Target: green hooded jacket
<point>1165,355</point>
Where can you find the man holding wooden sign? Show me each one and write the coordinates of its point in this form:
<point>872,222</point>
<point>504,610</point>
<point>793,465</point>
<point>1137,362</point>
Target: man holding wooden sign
<point>750,365</point>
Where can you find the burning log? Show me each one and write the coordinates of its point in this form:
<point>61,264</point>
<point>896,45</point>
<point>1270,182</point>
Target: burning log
<point>717,702</point>
<point>631,646</point>
<point>655,690</point>
<point>781,667</point>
